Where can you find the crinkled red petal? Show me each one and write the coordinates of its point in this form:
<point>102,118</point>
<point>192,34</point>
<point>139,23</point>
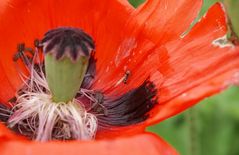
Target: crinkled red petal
<point>197,66</point>
<point>166,20</point>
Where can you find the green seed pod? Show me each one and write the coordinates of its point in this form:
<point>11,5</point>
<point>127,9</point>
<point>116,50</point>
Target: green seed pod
<point>67,53</point>
<point>64,77</point>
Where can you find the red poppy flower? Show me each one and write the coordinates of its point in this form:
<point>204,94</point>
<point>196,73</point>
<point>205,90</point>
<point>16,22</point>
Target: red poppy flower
<point>145,65</point>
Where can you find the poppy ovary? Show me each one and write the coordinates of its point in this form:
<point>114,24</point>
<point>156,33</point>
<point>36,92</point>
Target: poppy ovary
<point>67,52</point>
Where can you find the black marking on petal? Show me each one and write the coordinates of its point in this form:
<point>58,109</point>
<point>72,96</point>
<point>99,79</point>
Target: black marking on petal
<point>130,108</point>
<point>67,41</point>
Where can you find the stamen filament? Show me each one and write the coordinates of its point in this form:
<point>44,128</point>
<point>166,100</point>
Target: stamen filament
<point>36,116</point>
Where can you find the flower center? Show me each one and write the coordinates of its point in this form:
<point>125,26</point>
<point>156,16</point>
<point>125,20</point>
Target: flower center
<point>67,52</point>
<point>58,100</point>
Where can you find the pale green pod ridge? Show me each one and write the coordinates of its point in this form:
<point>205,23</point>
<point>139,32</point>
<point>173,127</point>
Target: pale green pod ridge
<point>64,76</point>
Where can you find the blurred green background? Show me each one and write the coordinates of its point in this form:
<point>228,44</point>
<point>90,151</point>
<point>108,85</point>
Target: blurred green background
<point>211,127</point>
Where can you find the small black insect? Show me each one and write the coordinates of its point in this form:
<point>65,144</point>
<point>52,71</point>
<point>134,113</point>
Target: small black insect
<point>126,76</point>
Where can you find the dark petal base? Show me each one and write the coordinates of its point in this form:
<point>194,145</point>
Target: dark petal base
<point>131,108</point>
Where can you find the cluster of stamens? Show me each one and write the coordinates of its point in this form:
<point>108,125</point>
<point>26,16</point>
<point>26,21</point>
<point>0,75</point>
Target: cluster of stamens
<point>36,116</point>
<point>34,113</point>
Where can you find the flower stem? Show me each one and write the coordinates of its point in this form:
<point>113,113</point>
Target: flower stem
<point>192,121</point>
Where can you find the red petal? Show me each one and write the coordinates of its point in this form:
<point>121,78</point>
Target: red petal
<point>7,90</point>
<point>19,23</point>
<point>165,20</point>
<point>162,21</point>
<point>197,67</point>
<point>139,145</point>
<point>140,57</point>
<point>194,95</point>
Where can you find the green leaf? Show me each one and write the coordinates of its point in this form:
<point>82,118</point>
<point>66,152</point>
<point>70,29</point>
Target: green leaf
<point>136,3</point>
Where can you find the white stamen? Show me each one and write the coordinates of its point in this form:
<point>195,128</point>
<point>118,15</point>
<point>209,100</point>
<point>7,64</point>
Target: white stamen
<point>5,110</point>
<point>46,120</point>
<point>6,115</point>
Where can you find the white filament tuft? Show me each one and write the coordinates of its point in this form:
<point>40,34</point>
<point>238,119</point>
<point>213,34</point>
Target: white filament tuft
<point>46,120</point>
